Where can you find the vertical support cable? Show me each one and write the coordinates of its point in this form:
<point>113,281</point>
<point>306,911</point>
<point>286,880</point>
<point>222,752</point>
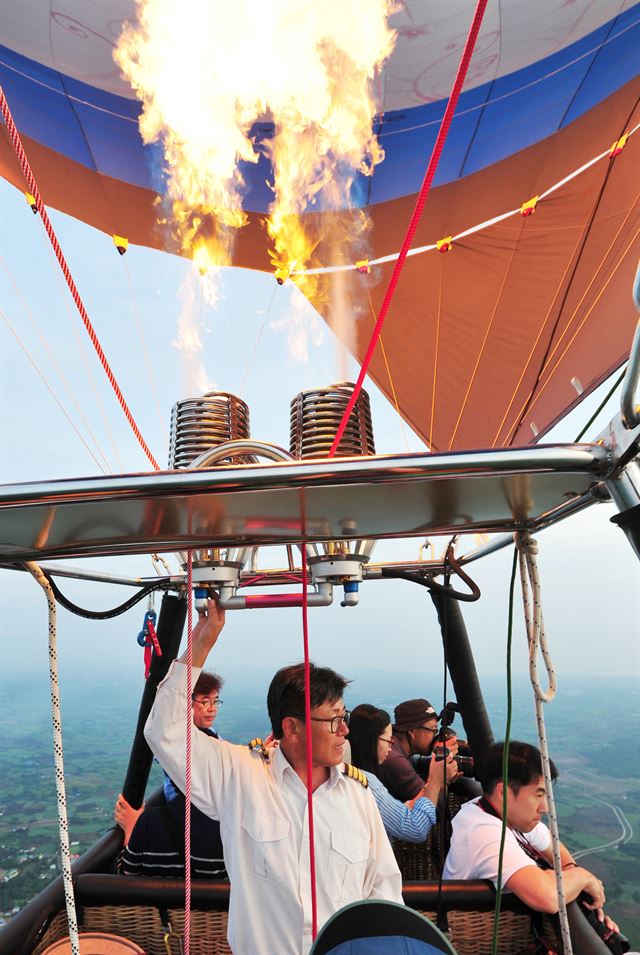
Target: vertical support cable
<point>63,825</point>
<point>187,788</point>
<point>309,746</point>
<point>505,758</point>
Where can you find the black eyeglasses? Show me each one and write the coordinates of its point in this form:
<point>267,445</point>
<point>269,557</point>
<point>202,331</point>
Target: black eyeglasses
<point>430,729</point>
<point>209,704</point>
<point>334,721</point>
<point>386,739</point>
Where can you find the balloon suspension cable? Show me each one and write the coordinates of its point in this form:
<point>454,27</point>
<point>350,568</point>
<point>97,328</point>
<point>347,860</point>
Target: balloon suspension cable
<point>187,787</point>
<point>595,414</point>
<point>505,758</point>
<point>309,743</point>
<point>30,180</point>
<point>56,718</point>
<point>536,637</point>
<point>463,67</point>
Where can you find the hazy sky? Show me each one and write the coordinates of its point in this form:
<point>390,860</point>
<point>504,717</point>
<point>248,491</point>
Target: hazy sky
<point>589,573</point>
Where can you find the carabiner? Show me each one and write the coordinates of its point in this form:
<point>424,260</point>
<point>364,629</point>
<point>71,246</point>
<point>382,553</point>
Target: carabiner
<point>149,619</point>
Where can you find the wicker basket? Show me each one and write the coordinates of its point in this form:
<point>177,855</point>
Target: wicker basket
<point>470,932</point>
<point>142,924</point>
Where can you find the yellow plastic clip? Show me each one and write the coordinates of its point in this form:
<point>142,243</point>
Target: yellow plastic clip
<point>32,202</point>
<point>445,245</point>
<point>618,146</point>
<point>169,934</point>
<point>121,243</point>
<point>282,274</point>
<point>529,207</point>
<point>363,267</point>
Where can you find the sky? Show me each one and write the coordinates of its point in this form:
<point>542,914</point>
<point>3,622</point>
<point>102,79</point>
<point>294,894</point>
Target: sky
<point>264,342</point>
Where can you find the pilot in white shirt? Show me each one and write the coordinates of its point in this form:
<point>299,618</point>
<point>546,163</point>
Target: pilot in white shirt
<point>260,797</point>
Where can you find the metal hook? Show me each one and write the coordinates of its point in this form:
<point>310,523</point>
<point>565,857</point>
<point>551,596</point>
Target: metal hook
<point>157,561</point>
<point>428,546</point>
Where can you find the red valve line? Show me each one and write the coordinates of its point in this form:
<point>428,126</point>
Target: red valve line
<point>416,215</point>
<point>16,142</point>
<point>261,601</point>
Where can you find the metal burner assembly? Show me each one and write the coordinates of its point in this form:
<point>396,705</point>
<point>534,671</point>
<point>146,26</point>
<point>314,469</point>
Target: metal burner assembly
<point>207,431</point>
<point>214,430</point>
<point>315,418</point>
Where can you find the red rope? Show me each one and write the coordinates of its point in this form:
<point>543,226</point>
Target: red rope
<point>187,786</point>
<point>16,142</point>
<point>307,719</point>
<point>417,213</point>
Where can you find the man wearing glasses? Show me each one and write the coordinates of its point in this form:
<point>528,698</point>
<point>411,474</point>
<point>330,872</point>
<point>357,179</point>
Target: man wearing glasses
<point>414,733</point>
<point>260,797</point>
<point>206,704</point>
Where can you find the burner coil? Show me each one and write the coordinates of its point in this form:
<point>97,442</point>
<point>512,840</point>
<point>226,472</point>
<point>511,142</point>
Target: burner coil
<point>316,416</point>
<point>200,424</point>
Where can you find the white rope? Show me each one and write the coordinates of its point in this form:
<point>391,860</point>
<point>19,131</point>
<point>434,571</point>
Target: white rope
<point>63,826</point>
<point>528,549</point>
<point>472,230</point>
<point>536,637</point>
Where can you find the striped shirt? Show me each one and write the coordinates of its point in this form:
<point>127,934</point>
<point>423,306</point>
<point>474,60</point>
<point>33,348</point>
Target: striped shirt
<point>400,821</point>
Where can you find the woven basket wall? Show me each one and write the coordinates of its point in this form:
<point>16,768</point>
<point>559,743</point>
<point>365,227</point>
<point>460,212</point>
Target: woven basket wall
<point>142,924</point>
<point>470,932</point>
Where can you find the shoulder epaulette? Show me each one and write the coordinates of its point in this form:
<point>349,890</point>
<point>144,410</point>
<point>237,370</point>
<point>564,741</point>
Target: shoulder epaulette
<point>257,745</point>
<point>354,773</point>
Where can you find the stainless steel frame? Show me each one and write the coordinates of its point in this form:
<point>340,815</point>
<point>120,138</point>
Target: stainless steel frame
<point>311,501</point>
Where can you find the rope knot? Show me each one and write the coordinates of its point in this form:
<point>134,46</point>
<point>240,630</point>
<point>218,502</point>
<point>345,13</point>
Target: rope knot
<point>526,543</point>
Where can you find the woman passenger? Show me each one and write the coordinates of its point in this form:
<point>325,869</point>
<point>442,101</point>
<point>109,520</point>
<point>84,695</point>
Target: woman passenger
<point>370,738</point>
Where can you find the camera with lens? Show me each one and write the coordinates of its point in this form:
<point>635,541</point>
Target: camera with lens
<point>465,764</point>
<point>447,739</point>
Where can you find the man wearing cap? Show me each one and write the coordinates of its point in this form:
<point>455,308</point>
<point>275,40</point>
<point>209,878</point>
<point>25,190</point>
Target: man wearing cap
<point>414,733</point>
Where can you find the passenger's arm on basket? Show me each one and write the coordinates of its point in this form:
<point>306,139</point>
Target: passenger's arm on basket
<point>537,887</point>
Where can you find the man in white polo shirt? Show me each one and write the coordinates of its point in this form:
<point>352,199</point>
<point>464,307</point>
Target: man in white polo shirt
<point>260,797</point>
<point>527,864</point>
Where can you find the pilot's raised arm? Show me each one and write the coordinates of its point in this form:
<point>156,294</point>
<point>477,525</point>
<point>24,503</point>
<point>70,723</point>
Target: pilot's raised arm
<point>165,730</point>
